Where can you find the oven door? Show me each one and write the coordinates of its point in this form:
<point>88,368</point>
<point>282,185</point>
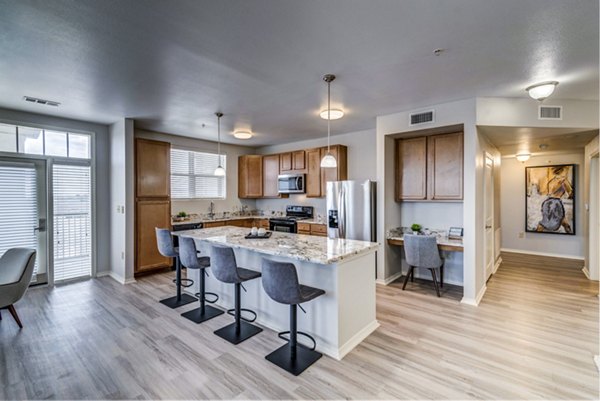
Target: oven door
<point>283,226</point>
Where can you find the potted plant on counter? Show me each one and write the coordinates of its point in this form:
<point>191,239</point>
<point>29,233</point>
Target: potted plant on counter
<point>181,216</point>
<point>416,228</point>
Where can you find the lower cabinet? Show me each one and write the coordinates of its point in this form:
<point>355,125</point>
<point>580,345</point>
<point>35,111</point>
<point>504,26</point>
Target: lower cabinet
<point>312,229</point>
<point>149,215</point>
<point>211,224</point>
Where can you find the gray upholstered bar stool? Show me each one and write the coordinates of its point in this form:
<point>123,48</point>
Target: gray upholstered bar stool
<point>189,258</point>
<point>280,281</point>
<point>225,269</point>
<point>422,251</point>
<point>166,248</point>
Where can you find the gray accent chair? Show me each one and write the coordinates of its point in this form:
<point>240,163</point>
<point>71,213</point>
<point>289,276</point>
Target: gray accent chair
<point>16,270</point>
<point>225,268</point>
<point>422,252</point>
<point>190,259</point>
<point>164,241</point>
<point>280,281</point>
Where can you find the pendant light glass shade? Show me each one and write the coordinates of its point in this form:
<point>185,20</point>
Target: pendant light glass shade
<point>328,161</point>
<point>219,171</point>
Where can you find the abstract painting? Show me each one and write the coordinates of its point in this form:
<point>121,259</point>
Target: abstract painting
<point>550,201</point>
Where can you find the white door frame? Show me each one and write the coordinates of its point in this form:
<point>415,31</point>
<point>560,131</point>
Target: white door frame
<point>488,224</point>
<point>594,219</point>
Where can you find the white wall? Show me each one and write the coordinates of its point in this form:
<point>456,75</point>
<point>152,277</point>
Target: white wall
<point>101,154</point>
<point>513,209</point>
<point>361,165</point>
<point>231,151</point>
<point>122,206</point>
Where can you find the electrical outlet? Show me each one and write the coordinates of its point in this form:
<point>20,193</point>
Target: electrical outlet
<point>521,234</point>
<point>122,255</point>
<point>122,209</point>
<point>118,209</point>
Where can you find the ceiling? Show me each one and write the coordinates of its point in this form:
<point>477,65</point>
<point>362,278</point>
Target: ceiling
<point>514,140</point>
<point>171,64</point>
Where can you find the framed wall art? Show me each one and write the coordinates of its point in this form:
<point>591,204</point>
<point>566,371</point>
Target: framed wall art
<point>550,200</point>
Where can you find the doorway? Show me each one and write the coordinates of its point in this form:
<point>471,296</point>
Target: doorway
<point>594,219</point>
<point>23,210</point>
<point>489,215</point>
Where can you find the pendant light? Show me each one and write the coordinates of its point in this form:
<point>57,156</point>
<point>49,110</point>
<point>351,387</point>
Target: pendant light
<point>219,171</point>
<point>328,161</point>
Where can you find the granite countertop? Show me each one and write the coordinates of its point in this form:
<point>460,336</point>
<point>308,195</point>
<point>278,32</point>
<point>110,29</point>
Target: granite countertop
<point>311,221</point>
<point>307,248</point>
<point>196,220</point>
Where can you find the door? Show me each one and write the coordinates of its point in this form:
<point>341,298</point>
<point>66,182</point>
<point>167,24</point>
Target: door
<point>23,210</point>
<point>149,215</point>
<point>489,215</point>
<point>594,219</point>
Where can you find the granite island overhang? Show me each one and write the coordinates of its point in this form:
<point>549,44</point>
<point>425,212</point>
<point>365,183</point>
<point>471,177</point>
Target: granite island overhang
<point>339,320</point>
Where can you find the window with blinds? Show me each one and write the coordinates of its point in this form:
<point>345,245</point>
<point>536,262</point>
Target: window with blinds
<point>192,175</point>
<point>72,221</point>
<point>18,208</point>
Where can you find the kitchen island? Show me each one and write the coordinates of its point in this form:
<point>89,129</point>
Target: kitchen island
<point>339,320</point>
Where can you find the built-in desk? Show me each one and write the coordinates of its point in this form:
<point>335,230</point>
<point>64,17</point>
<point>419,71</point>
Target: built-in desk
<point>444,243</point>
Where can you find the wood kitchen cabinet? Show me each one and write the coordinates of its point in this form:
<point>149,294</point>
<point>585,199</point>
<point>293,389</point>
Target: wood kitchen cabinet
<point>292,162</point>
<point>313,173</point>
<point>430,168</point>
<point>312,229</point>
<point>150,214</point>
<point>211,224</point>
<point>153,168</point>
<point>338,173</point>
<point>250,176</point>
<point>270,170</point>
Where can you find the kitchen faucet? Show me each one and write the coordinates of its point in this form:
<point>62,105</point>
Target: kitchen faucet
<point>211,210</point>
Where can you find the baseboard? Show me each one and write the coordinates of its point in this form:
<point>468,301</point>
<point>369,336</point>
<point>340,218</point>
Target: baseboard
<point>357,339</point>
<point>390,279</point>
<point>474,301</point>
<point>586,271</point>
<point>116,277</point>
<point>551,255</point>
<point>497,264</point>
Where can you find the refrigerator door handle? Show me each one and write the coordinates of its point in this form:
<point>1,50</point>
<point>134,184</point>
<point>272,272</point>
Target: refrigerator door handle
<point>342,213</point>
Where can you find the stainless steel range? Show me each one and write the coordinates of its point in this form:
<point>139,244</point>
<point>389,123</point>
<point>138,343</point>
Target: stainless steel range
<point>293,214</point>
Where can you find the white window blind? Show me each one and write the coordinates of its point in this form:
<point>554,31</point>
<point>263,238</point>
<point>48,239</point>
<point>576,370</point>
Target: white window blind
<point>192,175</point>
<point>72,221</point>
<point>18,208</point>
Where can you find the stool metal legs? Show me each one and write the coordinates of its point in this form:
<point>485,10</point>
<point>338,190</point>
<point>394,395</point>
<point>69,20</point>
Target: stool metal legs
<point>204,312</point>
<point>239,330</point>
<point>180,299</point>
<point>293,357</point>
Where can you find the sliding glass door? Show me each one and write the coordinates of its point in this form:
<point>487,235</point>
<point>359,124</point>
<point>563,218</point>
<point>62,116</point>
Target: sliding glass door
<point>23,210</point>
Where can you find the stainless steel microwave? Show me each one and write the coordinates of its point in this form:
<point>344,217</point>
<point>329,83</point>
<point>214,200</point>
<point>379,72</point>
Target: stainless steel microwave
<point>291,184</point>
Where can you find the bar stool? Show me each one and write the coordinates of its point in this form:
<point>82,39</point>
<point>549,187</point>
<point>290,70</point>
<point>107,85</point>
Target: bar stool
<point>166,248</point>
<point>422,251</point>
<point>225,269</point>
<point>280,281</point>
<point>189,258</point>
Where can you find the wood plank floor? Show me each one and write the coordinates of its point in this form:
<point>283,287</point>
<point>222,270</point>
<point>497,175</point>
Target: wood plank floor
<point>533,337</point>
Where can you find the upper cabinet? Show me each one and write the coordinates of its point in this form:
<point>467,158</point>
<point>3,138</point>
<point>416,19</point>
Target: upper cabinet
<point>153,168</point>
<point>270,173</point>
<point>292,162</point>
<point>430,168</point>
<point>313,173</point>
<point>250,176</point>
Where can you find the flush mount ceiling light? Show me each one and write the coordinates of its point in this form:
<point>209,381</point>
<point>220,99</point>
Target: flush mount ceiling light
<point>219,171</point>
<point>329,160</point>
<point>334,114</point>
<point>242,134</point>
<point>542,90</point>
<point>523,157</point>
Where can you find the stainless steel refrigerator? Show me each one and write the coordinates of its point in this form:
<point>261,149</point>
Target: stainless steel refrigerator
<point>351,210</point>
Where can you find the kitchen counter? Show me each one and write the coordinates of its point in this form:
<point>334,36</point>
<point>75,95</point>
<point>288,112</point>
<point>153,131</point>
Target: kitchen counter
<point>339,320</point>
<point>444,243</point>
<point>218,219</point>
<point>307,248</point>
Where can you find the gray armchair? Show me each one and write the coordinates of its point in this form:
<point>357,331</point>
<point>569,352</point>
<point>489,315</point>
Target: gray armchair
<point>16,269</point>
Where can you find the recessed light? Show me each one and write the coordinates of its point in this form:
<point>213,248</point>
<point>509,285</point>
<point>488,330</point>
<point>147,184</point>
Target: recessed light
<point>335,114</point>
<point>242,134</point>
<point>542,90</point>
<point>543,146</point>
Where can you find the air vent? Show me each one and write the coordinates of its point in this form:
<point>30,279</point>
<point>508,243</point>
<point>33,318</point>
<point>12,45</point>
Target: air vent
<point>550,113</point>
<point>40,101</point>
<point>421,118</point>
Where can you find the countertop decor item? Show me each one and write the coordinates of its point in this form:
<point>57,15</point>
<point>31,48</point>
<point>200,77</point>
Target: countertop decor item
<point>416,228</point>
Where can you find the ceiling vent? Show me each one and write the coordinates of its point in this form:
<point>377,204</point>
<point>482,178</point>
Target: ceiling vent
<point>550,113</point>
<point>40,101</point>
<point>421,118</point>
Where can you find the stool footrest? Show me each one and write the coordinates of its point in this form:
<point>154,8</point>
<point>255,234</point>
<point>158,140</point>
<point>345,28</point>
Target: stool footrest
<point>231,312</point>
<point>185,282</point>
<point>212,294</point>
<point>283,334</point>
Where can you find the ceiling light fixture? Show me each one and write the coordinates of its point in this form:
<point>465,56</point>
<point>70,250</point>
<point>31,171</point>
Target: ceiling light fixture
<point>542,90</point>
<point>523,157</point>
<point>334,114</point>
<point>328,161</point>
<point>242,134</point>
<point>219,171</point>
